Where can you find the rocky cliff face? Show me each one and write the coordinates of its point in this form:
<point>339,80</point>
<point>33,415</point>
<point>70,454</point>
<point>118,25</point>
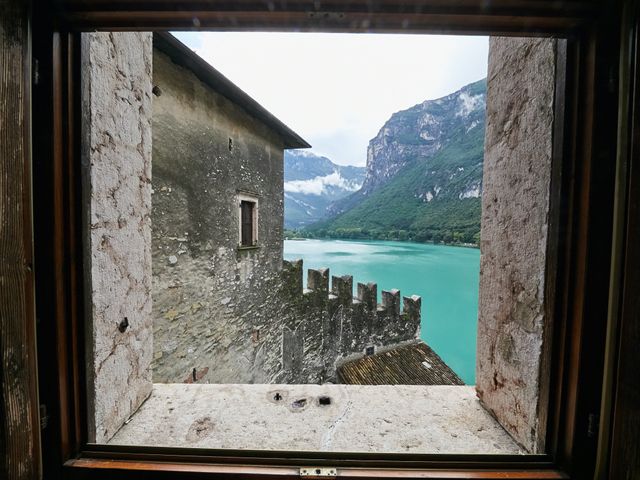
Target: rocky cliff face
<point>421,131</point>
<point>417,134</point>
<point>424,175</point>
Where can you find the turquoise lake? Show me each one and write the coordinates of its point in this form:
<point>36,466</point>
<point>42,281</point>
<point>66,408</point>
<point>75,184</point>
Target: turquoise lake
<point>445,277</point>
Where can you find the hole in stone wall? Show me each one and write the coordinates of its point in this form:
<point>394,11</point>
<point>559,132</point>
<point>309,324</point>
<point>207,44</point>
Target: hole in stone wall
<point>123,325</point>
<point>300,403</point>
<point>324,400</point>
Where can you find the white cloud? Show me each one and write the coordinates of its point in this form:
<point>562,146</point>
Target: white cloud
<point>337,90</point>
<point>318,185</point>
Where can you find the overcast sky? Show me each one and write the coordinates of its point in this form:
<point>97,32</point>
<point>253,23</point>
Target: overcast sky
<point>337,90</point>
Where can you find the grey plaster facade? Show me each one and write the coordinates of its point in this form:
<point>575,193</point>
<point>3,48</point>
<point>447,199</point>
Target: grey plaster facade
<point>116,157</point>
<point>510,377</point>
<point>209,293</point>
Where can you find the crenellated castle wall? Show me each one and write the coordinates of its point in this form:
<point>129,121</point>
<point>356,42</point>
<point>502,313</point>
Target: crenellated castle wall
<point>294,335</point>
<point>325,324</point>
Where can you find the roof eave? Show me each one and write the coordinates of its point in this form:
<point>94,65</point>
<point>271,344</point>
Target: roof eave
<point>184,56</point>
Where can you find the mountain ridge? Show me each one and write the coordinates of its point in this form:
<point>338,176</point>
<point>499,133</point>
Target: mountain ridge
<point>424,175</point>
<point>313,182</point>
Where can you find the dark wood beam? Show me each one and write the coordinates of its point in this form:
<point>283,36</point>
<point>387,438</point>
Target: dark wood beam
<point>436,16</point>
<point>19,420</point>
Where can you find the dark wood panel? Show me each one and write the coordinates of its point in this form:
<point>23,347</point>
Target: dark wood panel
<point>300,21</point>
<point>471,16</point>
<point>596,178</point>
<point>97,469</point>
<point>523,7</point>
<point>19,425</point>
<point>625,449</point>
<point>468,16</point>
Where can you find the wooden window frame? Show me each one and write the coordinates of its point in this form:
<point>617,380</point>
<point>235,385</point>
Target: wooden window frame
<point>246,221</point>
<point>244,197</point>
<point>585,138</point>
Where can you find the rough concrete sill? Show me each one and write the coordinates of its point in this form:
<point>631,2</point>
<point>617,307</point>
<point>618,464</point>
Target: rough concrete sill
<point>383,419</point>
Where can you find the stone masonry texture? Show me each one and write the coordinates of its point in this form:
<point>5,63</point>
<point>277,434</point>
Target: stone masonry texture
<point>515,208</point>
<point>209,294</point>
<point>116,157</point>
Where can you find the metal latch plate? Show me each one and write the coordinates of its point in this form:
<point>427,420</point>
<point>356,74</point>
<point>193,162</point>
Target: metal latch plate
<point>319,472</point>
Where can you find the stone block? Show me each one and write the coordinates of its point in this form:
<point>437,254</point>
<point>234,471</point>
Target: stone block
<point>411,308</point>
<point>342,287</point>
<point>292,276</point>
<point>513,243</point>
<point>368,294</point>
<point>391,302</point>
<point>116,162</point>
<point>318,280</point>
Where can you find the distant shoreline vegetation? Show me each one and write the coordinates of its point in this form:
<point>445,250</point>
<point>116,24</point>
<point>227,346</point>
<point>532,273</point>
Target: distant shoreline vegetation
<point>454,239</point>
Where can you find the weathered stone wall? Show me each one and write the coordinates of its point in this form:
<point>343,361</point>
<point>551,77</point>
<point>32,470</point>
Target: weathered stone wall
<point>320,327</point>
<point>513,245</point>
<point>209,294</point>
<point>116,158</point>
<point>225,314</point>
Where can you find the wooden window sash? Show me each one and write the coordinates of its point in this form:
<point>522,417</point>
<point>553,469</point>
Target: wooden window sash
<point>247,211</point>
<point>572,19</point>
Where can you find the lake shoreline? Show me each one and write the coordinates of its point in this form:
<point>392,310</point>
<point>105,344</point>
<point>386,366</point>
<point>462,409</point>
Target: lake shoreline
<point>462,245</point>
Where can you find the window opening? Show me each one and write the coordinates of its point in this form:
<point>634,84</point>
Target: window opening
<point>248,219</point>
<point>223,313</point>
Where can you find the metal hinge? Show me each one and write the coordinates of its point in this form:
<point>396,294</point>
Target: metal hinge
<point>319,472</point>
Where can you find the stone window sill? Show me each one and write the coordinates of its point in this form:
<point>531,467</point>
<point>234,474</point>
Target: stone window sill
<point>242,248</point>
<point>381,419</point>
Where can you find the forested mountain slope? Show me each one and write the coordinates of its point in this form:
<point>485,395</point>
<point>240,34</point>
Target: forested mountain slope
<point>424,175</point>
